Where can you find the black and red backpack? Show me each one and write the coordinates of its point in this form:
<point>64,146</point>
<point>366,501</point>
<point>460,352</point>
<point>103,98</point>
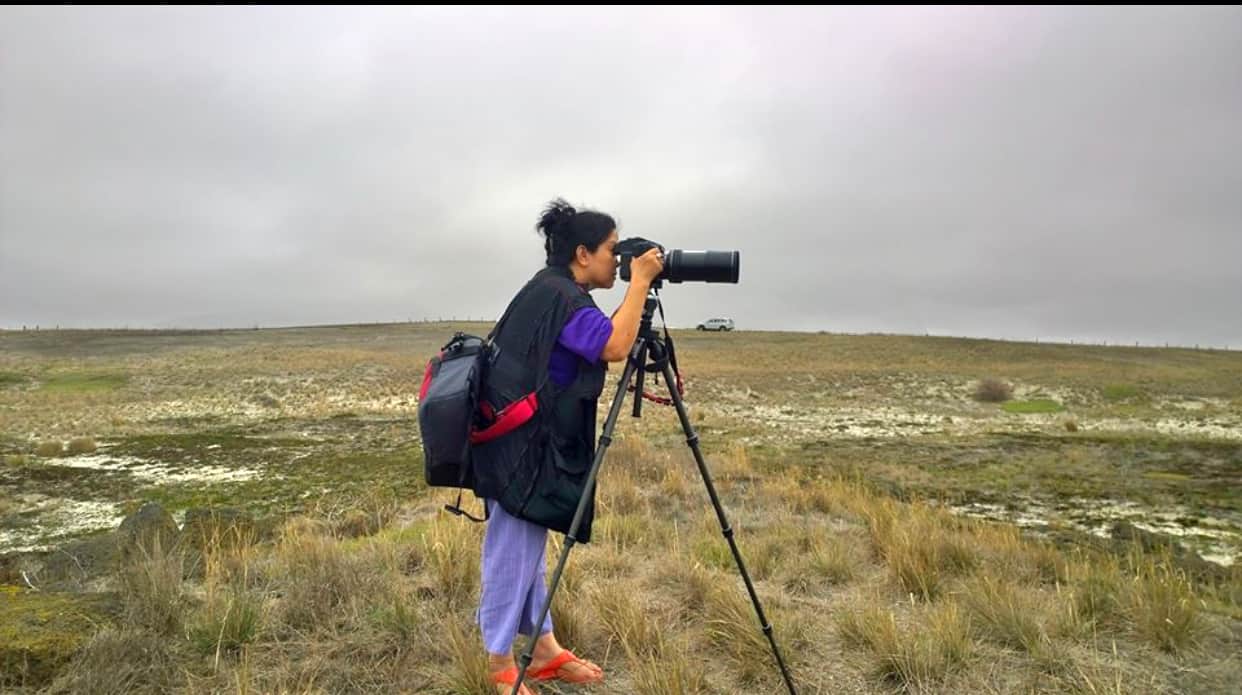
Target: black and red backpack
<point>453,417</point>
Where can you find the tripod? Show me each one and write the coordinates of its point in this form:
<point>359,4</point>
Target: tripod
<point>648,345</point>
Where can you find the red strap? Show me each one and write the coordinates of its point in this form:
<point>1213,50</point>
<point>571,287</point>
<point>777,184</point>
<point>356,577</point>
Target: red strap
<point>422,392</point>
<point>508,419</point>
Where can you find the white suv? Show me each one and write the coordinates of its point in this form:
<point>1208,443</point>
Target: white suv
<point>716,325</point>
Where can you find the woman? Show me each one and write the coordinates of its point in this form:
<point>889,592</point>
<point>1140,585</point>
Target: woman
<point>554,322</point>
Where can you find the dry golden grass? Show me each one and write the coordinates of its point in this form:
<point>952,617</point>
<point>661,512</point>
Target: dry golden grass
<point>1006,614</point>
<point>119,661</point>
<point>152,589</point>
<point>315,577</point>
<point>80,445</point>
<point>450,550</point>
<point>828,562</point>
<point>50,449</point>
<point>1162,606</point>
<point>666,669</point>
<point>921,546</point>
<point>232,610</point>
<point>733,628</point>
<point>935,644</point>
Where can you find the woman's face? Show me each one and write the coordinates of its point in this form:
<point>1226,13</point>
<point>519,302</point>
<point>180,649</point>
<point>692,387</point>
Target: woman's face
<point>598,269</point>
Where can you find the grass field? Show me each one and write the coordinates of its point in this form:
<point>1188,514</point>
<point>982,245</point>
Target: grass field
<point>1080,535</point>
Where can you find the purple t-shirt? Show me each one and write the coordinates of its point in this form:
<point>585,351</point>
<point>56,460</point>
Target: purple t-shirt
<point>582,338</point>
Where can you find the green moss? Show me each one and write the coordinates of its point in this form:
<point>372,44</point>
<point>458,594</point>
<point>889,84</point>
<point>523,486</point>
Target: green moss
<point>1122,392</point>
<point>1041,405</point>
<point>40,631</point>
<point>193,444</point>
<point>8,379</point>
<point>301,484</point>
<point>83,382</point>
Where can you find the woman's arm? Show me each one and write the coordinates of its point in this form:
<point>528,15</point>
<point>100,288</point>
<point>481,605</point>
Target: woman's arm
<point>625,320</point>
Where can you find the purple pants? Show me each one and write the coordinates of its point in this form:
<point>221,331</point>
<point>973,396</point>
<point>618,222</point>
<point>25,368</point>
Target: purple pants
<point>513,586</point>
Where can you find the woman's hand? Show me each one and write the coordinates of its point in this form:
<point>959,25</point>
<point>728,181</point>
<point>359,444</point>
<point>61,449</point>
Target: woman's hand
<point>647,267</point>
<point>643,270</point>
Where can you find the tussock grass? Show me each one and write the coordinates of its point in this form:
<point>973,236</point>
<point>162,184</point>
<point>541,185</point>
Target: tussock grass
<point>830,561</point>
<point>732,628</point>
<point>625,532</point>
<point>626,619</point>
<point>450,550</point>
<point>1096,589</point>
<point>50,449</point>
<point>936,644</point>
<point>922,547</point>
<point>1006,614</point>
<point>619,492</point>
<point>672,673</point>
<point>80,445</point>
<point>119,661</point>
<point>688,583</point>
<point>315,577</point>
<point>152,590</point>
<point>460,664</point>
<point>675,485</point>
<point>993,391</point>
<point>1163,608</point>
<point>232,611</point>
<point>734,465</point>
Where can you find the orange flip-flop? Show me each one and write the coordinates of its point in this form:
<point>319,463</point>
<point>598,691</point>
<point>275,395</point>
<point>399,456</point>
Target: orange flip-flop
<point>509,677</point>
<point>551,670</point>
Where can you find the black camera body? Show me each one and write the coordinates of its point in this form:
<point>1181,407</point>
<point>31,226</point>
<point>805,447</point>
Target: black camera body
<point>679,265</point>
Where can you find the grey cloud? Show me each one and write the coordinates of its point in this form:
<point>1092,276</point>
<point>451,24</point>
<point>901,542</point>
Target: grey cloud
<point>998,172</point>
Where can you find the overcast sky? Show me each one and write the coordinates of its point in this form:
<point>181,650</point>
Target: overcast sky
<point>1050,173</point>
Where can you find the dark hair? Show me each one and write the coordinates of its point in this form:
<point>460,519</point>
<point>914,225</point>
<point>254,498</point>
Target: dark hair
<point>567,228</point>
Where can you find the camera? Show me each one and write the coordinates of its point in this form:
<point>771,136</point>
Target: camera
<point>679,265</point>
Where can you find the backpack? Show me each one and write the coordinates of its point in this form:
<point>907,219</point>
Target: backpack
<point>453,417</point>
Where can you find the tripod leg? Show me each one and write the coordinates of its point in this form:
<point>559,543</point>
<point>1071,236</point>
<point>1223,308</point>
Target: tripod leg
<point>692,439</point>
<point>604,441</point>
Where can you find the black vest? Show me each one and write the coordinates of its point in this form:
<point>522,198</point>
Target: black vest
<point>538,471</point>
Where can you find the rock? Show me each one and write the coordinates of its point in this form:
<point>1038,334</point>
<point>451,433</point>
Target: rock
<point>150,525</point>
<point>71,566</point>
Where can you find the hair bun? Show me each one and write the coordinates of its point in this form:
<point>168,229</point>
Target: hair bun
<point>556,214</point>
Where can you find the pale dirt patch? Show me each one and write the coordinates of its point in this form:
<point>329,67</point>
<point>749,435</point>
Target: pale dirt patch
<point>1214,540</point>
<point>56,519</point>
<point>157,472</point>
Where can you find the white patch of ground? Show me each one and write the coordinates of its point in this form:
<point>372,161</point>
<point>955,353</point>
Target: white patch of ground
<point>1223,427</point>
<point>1214,540</point>
<point>311,404</point>
<point>1192,404</point>
<point>155,472</point>
<point>819,422</point>
<point>57,519</point>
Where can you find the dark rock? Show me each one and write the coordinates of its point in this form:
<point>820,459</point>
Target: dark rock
<point>71,566</point>
<point>145,530</point>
